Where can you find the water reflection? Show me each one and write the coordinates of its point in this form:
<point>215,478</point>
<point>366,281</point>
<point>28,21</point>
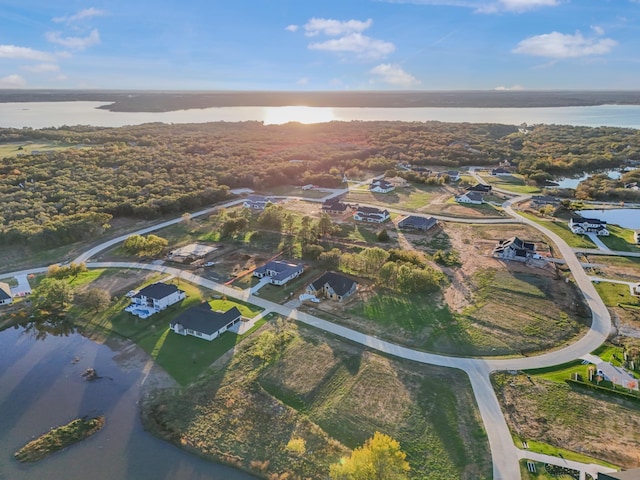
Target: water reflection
<point>40,327</point>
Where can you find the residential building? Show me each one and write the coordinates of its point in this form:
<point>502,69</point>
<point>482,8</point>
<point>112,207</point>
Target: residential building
<point>617,375</point>
<point>515,249</point>
<point>633,474</point>
<point>381,186</point>
<point>334,207</point>
<point>398,182</point>
<point>202,322</point>
<point>279,272</point>
<point>371,215</point>
<point>453,175</point>
<point>538,201</point>
<point>636,236</point>
<point>5,294</point>
<point>500,171</point>
<point>474,198</point>
<point>480,187</point>
<point>154,298</point>
<point>413,222</point>
<point>581,225</point>
<point>256,202</point>
<point>333,285</point>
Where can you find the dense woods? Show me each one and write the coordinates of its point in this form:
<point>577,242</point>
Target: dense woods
<point>151,170</point>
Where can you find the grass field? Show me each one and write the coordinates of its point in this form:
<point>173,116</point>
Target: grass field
<point>411,198</point>
<point>555,418</point>
<point>512,183</point>
<point>334,396</point>
<point>26,148</point>
<point>614,294</point>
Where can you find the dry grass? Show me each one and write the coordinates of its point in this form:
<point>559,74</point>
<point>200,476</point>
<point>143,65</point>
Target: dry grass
<point>586,422</point>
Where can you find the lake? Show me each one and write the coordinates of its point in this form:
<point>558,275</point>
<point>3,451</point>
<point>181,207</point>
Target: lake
<point>572,182</point>
<point>41,387</point>
<point>56,114</point>
<point>624,217</point>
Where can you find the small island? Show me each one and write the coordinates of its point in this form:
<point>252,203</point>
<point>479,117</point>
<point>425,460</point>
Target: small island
<point>59,438</point>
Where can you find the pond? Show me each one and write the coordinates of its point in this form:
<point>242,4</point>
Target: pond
<point>41,387</point>
<point>624,217</point>
<point>572,182</point>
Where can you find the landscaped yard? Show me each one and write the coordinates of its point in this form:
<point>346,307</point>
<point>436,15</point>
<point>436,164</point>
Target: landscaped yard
<point>331,394</point>
<point>621,239</point>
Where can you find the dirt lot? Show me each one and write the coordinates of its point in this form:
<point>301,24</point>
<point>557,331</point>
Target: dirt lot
<point>119,282</point>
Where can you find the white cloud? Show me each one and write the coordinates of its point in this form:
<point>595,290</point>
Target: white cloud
<point>394,75</point>
<point>513,88</point>
<point>524,5</point>
<point>61,78</point>
<point>42,68</point>
<point>12,81</point>
<point>303,81</point>
<point>362,46</point>
<point>24,53</point>
<point>291,28</point>
<point>560,45</point>
<point>335,28</point>
<point>81,15</point>
<point>598,30</point>
<point>75,43</point>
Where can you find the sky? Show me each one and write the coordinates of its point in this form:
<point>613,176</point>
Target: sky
<point>321,45</point>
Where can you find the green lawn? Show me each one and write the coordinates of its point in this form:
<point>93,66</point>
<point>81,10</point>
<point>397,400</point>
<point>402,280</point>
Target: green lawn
<point>14,149</point>
<point>512,183</point>
<point>546,449</point>
<point>185,358</point>
<point>621,239</point>
<point>559,373</point>
<point>410,313</point>
<point>616,293</point>
<point>247,309</point>
<point>279,294</point>
<point>562,230</point>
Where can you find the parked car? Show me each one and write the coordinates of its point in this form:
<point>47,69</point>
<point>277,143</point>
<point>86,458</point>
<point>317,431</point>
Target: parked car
<point>209,264</point>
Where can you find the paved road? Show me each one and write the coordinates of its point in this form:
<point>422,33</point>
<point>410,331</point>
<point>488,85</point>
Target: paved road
<point>504,453</point>
<point>595,251</point>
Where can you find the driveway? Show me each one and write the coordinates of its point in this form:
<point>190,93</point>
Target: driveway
<point>595,239</point>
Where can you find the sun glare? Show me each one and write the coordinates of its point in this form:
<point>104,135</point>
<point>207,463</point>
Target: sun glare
<point>280,115</point>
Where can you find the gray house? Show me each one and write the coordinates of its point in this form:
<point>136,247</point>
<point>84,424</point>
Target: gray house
<point>279,271</point>
<point>333,285</point>
<point>202,322</point>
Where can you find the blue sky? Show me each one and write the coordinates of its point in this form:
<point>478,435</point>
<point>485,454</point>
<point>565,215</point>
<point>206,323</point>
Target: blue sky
<point>320,45</point>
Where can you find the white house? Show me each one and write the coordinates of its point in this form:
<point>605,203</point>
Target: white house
<point>397,182</point>
<point>279,271</point>
<point>381,186</point>
<point>500,172</point>
<point>256,202</point>
<point>371,215</point>
<point>453,175</point>
<point>636,236</point>
<point>333,285</point>
<point>581,225</point>
<point>154,298</point>
<point>202,322</point>
<point>5,294</point>
<point>515,249</point>
<point>474,198</point>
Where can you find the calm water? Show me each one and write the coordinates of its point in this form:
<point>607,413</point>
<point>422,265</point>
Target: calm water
<point>574,181</point>
<point>624,217</point>
<point>42,387</point>
<point>56,114</point>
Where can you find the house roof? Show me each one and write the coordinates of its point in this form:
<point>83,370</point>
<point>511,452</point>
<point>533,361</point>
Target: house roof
<point>204,320</point>
<point>257,199</point>
<point>500,170</point>
<point>334,205</point>
<point>592,221</point>
<point>339,283</point>
<point>380,183</point>
<point>417,222</point>
<point>479,187</point>
<point>282,269</point>
<point>372,210</point>
<point>475,196</point>
<point>157,291</point>
<point>633,474</point>
<point>5,291</point>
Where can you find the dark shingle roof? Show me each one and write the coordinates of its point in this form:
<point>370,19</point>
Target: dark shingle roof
<point>371,210</point>
<point>340,284</point>
<point>157,290</point>
<point>417,222</point>
<point>475,196</point>
<point>202,319</point>
<point>282,269</point>
<point>5,291</point>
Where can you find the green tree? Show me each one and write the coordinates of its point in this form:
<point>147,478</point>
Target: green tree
<point>380,458</point>
<point>95,299</point>
<point>52,295</point>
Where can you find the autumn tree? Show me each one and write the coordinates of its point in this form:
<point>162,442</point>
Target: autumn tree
<point>95,299</point>
<point>52,295</point>
<point>380,458</point>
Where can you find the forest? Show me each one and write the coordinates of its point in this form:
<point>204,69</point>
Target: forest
<point>153,170</point>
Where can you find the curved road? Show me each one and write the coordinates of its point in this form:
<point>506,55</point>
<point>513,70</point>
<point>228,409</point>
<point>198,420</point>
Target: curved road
<point>504,454</point>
